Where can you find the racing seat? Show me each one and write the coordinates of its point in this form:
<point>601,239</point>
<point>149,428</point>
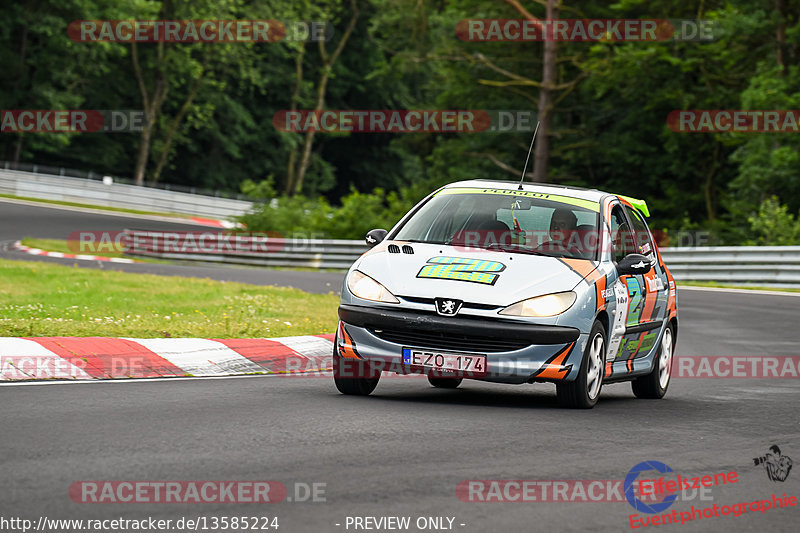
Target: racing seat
<point>578,243</point>
<point>588,243</point>
<point>481,230</point>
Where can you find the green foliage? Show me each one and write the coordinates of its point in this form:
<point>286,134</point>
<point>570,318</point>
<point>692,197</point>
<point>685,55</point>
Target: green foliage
<point>359,213</point>
<point>287,215</point>
<point>264,189</point>
<point>774,225</point>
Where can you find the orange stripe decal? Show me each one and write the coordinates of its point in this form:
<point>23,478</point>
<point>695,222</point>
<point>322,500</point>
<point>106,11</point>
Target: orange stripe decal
<point>623,201</point>
<point>649,305</point>
<point>554,367</point>
<point>347,346</point>
<point>600,289</point>
<point>583,267</point>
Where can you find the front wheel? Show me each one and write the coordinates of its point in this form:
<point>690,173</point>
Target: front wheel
<point>583,392</point>
<point>353,376</point>
<point>654,385</point>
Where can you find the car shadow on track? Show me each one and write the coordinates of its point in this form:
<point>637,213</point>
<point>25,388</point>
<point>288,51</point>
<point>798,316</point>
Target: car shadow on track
<point>505,397</point>
<point>468,397</point>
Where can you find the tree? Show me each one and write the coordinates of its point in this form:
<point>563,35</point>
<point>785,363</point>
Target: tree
<point>546,88</point>
<point>178,67</point>
<point>296,174</point>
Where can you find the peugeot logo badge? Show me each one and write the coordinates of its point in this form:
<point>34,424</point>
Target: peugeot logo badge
<point>447,306</point>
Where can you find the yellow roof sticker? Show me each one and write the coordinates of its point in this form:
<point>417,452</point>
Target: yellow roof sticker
<point>569,200</point>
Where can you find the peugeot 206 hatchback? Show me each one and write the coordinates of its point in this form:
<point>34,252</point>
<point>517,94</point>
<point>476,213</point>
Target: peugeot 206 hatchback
<point>511,283</point>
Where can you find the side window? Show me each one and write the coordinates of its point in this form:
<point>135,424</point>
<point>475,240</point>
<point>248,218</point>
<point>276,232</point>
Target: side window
<point>644,243</point>
<point>622,242</point>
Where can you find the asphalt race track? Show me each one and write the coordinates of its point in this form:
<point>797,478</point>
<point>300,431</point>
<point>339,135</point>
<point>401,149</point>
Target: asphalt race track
<point>403,450</point>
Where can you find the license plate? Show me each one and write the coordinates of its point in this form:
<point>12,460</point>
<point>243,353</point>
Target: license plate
<point>444,361</point>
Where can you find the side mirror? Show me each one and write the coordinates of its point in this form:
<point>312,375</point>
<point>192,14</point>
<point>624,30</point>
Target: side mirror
<point>375,236</point>
<point>634,265</point>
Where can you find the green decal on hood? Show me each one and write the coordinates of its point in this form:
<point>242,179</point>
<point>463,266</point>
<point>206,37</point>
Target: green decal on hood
<point>462,269</point>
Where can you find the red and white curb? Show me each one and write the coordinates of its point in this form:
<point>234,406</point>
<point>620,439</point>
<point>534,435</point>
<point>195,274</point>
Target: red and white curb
<point>81,257</point>
<point>93,358</point>
<point>217,223</point>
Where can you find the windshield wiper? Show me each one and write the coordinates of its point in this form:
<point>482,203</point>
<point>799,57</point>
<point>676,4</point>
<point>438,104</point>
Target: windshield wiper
<point>421,241</point>
<point>516,248</point>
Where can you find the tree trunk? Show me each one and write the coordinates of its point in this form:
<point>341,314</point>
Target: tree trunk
<point>173,127</point>
<point>17,151</point>
<point>305,159</point>
<point>151,104</point>
<point>23,75</point>
<point>327,66</point>
<point>708,187</point>
<point>780,37</point>
<point>298,67</point>
<point>542,150</point>
<point>144,152</point>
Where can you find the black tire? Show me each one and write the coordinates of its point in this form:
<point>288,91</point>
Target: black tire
<point>355,386</point>
<point>444,383</point>
<point>583,392</point>
<point>654,385</point>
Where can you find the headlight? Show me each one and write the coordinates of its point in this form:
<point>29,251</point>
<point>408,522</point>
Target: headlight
<point>541,306</point>
<point>367,288</point>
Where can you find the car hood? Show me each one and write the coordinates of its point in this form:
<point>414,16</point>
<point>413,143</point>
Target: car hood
<point>509,277</point>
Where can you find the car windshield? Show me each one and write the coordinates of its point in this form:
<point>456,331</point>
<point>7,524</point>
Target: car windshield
<point>506,220</point>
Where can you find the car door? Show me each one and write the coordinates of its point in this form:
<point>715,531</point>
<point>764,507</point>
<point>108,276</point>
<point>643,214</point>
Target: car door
<point>648,292</point>
<point>621,245</point>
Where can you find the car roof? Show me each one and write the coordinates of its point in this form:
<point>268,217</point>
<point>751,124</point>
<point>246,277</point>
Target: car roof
<point>593,195</point>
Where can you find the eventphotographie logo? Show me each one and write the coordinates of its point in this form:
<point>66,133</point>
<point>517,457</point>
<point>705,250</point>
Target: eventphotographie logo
<point>777,465</point>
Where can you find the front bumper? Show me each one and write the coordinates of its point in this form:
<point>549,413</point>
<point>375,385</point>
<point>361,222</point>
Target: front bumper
<point>516,352</point>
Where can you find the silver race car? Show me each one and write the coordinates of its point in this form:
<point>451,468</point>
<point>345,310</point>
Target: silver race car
<point>511,283</point>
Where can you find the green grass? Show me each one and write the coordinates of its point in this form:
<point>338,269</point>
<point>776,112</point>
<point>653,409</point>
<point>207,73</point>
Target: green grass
<point>733,286</point>
<point>92,206</point>
<point>41,299</point>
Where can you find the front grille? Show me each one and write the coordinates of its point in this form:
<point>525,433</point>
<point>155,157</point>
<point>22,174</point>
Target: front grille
<point>468,343</point>
<point>466,305</point>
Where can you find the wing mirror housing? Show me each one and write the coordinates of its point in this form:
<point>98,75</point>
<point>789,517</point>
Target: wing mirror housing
<point>375,236</point>
<point>634,265</point>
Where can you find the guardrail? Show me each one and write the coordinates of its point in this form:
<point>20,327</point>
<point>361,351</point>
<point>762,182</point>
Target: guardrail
<point>95,192</point>
<point>755,265</point>
<point>223,247</point>
<point>758,265</point>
